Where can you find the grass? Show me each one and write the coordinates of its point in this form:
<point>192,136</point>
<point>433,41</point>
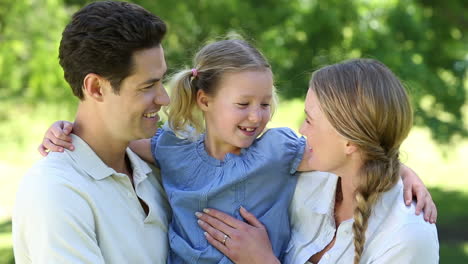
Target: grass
<point>22,128</point>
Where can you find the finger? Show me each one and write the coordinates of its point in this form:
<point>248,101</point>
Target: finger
<point>251,219</point>
<point>216,223</point>
<point>42,150</point>
<point>51,146</point>
<point>214,232</point>
<point>223,217</point>
<point>67,127</point>
<point>218,245</point>
<point>420,202</point>
<point>434,214</point>
<point>63,144</point>
<point>53,139</point>
<point>59,133</point>
<point>407,194</point>
<point>427,211</point>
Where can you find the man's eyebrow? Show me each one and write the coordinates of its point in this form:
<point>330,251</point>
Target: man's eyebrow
<point>152,80</point>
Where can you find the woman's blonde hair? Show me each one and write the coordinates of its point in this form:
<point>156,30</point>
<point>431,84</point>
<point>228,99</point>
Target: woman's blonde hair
<point>367,104</point>
<point>210,63</point>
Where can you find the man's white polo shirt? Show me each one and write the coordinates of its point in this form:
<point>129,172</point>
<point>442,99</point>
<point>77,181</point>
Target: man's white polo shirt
<point>72,208</point>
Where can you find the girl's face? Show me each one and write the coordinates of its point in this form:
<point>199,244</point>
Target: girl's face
<point>327,146</point>
<point>238,112</point>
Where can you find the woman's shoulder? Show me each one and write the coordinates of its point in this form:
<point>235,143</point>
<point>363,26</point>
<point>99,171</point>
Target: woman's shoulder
<point>395,229</point>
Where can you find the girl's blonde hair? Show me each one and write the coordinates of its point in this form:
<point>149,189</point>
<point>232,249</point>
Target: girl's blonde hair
<point>210,63</point>
<point>367,104</point>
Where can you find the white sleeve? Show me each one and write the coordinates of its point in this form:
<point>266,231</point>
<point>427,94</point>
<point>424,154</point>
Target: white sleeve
<point>53,223</point>
<point>414,243</point>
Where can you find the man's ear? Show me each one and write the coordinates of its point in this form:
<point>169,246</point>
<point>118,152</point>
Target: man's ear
<point>93,86</point>
<point>203,100</point>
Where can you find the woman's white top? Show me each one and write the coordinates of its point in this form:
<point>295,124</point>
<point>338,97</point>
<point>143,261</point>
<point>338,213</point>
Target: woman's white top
<point>395,234</point>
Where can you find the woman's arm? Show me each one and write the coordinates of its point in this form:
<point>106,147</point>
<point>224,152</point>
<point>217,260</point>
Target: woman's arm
<point>241,242</point>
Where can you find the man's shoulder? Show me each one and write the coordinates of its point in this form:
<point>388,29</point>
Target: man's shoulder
<point>54,170</point>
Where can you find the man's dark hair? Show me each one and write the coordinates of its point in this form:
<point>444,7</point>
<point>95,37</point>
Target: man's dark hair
<point>102,38</point>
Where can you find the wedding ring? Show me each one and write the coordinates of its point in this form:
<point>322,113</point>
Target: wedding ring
<point>225,238</point>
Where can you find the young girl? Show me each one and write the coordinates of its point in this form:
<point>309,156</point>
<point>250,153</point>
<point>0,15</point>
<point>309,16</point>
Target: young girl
<point>214,151</point>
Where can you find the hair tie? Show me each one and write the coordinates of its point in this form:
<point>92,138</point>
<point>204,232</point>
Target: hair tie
<point>194,73</point>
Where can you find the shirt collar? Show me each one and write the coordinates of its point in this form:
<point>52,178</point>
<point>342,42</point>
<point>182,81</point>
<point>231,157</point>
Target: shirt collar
<point>89,161</point>
<point>316,191</point>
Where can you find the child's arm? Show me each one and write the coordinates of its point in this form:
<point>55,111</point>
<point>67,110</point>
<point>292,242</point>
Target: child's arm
<point>414,186</point>
<point>142,148</point>
<point>57,137</point>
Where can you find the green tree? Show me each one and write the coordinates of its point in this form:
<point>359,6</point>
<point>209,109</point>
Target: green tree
<point>423,41</point>
<point>30,36</point>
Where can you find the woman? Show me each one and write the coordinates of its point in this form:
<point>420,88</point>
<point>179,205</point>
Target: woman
<point>357,116</point>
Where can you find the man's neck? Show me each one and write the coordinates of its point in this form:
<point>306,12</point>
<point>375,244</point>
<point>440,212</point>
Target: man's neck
<point>110,150</point>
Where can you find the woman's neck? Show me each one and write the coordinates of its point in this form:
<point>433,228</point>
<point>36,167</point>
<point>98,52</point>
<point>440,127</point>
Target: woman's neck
<point>346,188</point>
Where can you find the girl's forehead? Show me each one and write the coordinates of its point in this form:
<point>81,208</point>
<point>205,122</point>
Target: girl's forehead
<point>247,83</point>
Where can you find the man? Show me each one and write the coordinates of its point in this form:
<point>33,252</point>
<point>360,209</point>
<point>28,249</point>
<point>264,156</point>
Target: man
<point>101,203</point>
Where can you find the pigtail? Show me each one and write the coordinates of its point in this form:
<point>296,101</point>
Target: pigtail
<point>381,173</point>
<point>183,114</point>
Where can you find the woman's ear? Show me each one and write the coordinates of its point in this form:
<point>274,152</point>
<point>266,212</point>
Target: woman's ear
<point>93,85</point>
<point>203,100</point>
<point>350,148</point>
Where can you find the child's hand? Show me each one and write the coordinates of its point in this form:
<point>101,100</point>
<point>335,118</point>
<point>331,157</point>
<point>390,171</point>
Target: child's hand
<point>413,186</point>
<point>56,138</point>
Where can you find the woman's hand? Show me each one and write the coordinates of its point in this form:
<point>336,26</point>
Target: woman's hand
<point>413,186</point>
<point>241,242</point>
<point>56,138</point>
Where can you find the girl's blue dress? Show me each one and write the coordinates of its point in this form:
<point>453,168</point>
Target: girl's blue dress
<point>260,179</point>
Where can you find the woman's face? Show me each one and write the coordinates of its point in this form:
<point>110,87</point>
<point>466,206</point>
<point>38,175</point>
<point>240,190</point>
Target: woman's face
<point>327,146</point>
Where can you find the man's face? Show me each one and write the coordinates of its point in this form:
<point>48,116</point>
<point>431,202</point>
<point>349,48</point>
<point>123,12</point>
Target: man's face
<point>132,114</point>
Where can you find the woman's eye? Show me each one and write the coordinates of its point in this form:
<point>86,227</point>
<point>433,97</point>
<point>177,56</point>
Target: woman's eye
<point>265,105</point>
<point>243,104</point>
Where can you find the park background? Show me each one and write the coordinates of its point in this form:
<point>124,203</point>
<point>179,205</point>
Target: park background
<point>423,41</point>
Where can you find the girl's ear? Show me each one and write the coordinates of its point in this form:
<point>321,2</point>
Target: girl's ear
<point>93,87</point>
<point>203,100</point>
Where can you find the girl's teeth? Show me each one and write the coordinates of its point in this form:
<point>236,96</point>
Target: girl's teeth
<point>247,129</point>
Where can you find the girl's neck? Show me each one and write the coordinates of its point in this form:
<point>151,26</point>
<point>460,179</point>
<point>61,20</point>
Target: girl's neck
<point>217,149</point>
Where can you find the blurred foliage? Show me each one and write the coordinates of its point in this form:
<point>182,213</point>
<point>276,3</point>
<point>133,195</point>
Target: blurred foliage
<point>423,41</point>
